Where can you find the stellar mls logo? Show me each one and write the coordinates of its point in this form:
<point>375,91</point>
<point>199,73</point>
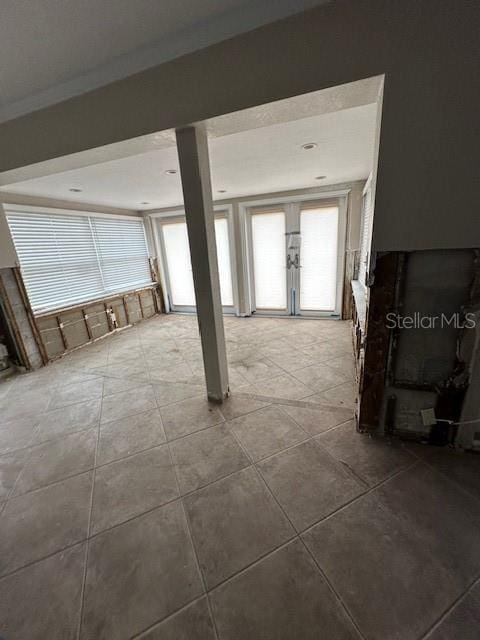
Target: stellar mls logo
<point>419,321</point>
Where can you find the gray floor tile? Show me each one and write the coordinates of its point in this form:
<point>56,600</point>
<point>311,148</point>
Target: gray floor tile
<point>120,385</point>
<point>11,465</point>
<point>320,377</point>
<point>170,392</point>
<point>129,435</point>
<point>58,459</point>
<point>31,402</point>
<point>78,392</point>
<point>284,387</point>
<point>75,417</point>
<point>192,623</point>
<point>17,434</point>
<point>254,369</point>
<point>131,486</point>
<point>283,597</point>
<point>238,404</point>
<point>317,419</point>
<point>391,583</point>
<point>446,518</point>
<point>463,622</point>
<point>189,416</point>
<point>234,522</point>
<point>42,522</point>
<point>43,600</point>
<point>206,456</point>
<point>128,403</point>
<point>342,396</point>
<point>372,458</point>
<point>463,467</point>
<point>266,431</point>
<point>148,563</point>
<point>308,483</point>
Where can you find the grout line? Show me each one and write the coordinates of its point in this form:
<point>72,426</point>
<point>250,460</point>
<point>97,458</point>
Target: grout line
<point>449,609</point>
<point>300,538</point>
<point>141,634</point>
<point>82,601</point>
<point>192,542</point>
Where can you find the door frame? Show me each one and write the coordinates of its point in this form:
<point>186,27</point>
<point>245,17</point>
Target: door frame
<point>178,215</point>
<point>289,204</point>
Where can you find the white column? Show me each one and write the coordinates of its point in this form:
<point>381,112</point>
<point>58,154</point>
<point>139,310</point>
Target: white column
<point>197,196</point>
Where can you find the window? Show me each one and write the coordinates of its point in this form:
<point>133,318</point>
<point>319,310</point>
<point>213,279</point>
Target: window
<point>366,237</point>
<point>268,245</point>
<point>179,265</point>
<point>67,258</point>
<point>319,253</point>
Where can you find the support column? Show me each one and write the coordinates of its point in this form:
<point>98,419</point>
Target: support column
<point>197,196</point>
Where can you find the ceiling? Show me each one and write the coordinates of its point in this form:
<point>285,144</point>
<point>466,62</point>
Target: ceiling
<point>262,159</point>
<point>53,50</point>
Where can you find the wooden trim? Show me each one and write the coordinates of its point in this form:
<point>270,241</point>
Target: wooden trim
<point>87,325</point>
<point>13,323</point>
<point>125,306</point>
<point>31,318</point>
<point>62,332</point>
<point>377,342</point>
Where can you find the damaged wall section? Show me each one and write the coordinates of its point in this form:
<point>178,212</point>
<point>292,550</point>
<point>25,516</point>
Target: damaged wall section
<point>67,329</point>
<point>422,348</point>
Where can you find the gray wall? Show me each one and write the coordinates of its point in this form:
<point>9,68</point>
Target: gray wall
<point>427,191</point>
<point>8,256</point>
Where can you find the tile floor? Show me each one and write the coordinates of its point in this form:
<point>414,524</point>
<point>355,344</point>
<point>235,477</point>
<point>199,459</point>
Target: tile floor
<point>131,508</point>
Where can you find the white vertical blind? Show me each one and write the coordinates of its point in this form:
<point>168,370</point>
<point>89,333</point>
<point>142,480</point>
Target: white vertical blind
<point>366,237</point>
<point>179,263</point>
<point>269,268</point>
<point>65,261</point>
<point>318,258</point>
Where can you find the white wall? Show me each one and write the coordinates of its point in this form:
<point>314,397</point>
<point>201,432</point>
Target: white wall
<point>427,189</point>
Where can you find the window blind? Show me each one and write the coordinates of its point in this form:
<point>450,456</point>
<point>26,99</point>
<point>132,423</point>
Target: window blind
<point>318,257</point>
<point>179,264</point>
<point>366,237</point>
<point>269,267</point>
<point>70,258</point>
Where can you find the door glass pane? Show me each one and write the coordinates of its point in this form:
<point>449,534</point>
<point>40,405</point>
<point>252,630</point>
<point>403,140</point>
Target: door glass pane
<point>318,259</point>
<point>180,267</point>
<point>268,240</point>
<point>223,259</point>
<point>178,263</point>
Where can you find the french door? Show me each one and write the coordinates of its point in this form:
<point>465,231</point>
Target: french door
<point>178,267</point>
<point>296,261</point>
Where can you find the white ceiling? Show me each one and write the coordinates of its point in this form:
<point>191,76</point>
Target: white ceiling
<point>263,159</point>
<point>52,50</point>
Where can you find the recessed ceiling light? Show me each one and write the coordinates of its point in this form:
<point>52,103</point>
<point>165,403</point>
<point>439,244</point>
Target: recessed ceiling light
<point>309,145</point>
<point>170,172</point>
<point>144,203</point>
<point>222,191</point>
<point>73,190</point>
<point>320,177</point>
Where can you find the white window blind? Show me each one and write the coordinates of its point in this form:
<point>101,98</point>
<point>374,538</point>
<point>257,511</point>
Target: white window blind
<point>366,237</point>
<point>318,258</point>
<point>70,258</point>
<point>223,259</point>
<point>269,266</point>
<point>179,264</point>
